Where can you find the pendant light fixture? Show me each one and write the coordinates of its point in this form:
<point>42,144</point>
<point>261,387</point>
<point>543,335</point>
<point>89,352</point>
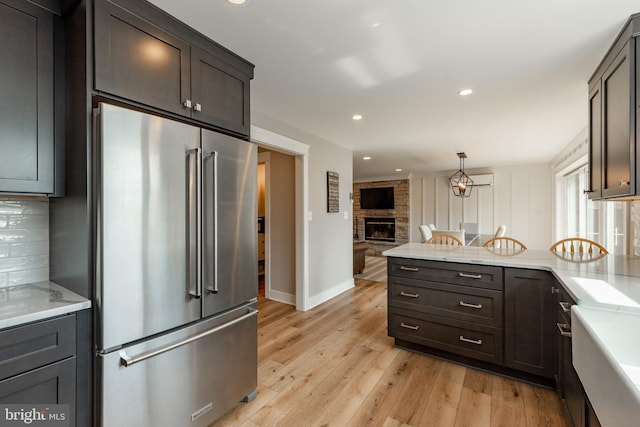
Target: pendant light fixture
<point>460,182</point>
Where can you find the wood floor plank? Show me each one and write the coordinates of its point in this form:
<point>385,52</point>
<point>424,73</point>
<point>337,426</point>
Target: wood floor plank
<point>410,404</point>
<point>385,394</point>
<point>267,370</point>
<point>335,365</point>
<point>442,406</point>
<point>342,371</point>
<point>542,407</point>
<point>474,409</point>
<point>354,389</point>
<point>243,417</point>
<point>479,381</point>
<point>507,408</point>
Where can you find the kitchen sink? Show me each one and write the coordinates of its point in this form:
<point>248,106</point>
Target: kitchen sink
<point>606,356</point>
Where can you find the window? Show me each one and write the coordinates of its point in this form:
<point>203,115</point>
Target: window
<point>604,222</point>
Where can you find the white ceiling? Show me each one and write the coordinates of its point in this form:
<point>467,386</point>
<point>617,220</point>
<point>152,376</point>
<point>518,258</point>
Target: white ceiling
<point>320,61</point>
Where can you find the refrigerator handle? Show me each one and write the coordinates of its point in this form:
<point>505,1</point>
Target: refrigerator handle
<point>194,203</point>
<point>212,279</point>
<point>127,361</point>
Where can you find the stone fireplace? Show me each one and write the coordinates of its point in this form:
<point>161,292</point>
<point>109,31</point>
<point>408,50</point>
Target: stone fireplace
<point>380,229</point>
<point>385,236</point>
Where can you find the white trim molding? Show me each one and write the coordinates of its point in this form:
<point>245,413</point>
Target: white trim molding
<point>300,150</point>
<point>330,293</point>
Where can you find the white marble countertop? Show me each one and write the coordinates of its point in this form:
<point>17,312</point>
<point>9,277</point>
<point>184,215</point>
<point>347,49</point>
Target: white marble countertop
<point>611,282</point>
<point>36,301</point>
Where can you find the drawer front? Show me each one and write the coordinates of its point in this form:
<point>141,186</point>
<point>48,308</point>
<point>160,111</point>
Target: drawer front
<point>28,347</point>
<point>474,341</point>
<point>481,306</point>
<point>54,383</point>
<point>479,276</point>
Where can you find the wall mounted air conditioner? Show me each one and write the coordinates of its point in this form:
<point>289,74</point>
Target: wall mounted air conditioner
<point>483,180</point>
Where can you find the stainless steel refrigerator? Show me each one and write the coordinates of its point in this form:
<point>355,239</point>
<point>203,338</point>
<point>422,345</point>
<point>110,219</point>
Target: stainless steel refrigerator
<point>176,270</point>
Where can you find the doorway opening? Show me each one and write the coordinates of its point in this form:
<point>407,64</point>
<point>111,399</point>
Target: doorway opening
<point>298,154</point>
<point>277,210</point>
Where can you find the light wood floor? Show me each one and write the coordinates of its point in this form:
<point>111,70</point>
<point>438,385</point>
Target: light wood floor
<point>336,366</point>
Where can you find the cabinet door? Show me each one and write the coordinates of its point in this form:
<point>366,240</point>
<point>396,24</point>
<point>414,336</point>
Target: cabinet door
<point>618,145</point>
<point>220,93</point>
<point>137,60</point>
<point>54,383</point>
<point>26,98</point>
<point>528,327</point>
<point>595,142</point>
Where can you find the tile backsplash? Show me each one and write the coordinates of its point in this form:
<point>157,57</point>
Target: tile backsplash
<point>24,240</point>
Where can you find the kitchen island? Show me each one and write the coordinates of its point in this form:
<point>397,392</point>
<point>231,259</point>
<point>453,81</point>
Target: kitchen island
<point>495,310</point>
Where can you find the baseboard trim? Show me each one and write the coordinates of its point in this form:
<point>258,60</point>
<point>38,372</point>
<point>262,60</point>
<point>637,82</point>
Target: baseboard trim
<point>282,297</point>
<point>330,293</point>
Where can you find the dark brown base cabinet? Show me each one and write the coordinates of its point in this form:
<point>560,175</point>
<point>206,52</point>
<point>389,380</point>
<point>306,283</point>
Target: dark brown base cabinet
<point>38,364</point>
<point>576,405</point>
<point>455,311</point>
<point>529,331</point>
<point>569,386</point>
<point>457,308</point>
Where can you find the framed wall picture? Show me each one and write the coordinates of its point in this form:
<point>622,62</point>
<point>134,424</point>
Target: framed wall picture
<point>333,192</point>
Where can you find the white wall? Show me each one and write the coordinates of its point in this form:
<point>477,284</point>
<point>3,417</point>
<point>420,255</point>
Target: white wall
<point>520,198</point>
<point>330,234</point>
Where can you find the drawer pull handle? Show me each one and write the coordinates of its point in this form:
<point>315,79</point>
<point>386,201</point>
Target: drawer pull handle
<point>413,269</point>
<point>470,276</point>
<point>565,330</point>
<point>404,294</point>
<point>566,307</point>
<point>466,304</point>
<point>478,342</point>
<point>412,327</point>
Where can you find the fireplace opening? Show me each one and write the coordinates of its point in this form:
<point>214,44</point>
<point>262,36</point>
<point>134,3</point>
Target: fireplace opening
<point>380,229</point>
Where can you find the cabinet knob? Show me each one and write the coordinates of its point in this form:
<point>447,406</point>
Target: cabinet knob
<point>197,107</point>
<point>623,183</point>
<point>187,103</point>
<point>585,191</point>
<point>555,290</point>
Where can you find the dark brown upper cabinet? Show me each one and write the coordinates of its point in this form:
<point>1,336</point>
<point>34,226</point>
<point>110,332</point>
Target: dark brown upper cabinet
<point>27,41</point>
<point>146,56</point>
<point>613,120</point>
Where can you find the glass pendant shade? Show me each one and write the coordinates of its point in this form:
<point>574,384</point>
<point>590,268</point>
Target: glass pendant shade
<point>461,184</point>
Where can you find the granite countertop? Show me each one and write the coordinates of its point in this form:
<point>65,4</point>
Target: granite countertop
<point>37,301</point>
<point>610,282</point>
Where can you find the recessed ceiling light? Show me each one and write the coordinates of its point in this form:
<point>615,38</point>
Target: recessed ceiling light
<point>398,170</point>
<point>357,117</point>
<point>376,25</point>
<point>465,92</point>
<point>237,2</point>
<point>366,158</point>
